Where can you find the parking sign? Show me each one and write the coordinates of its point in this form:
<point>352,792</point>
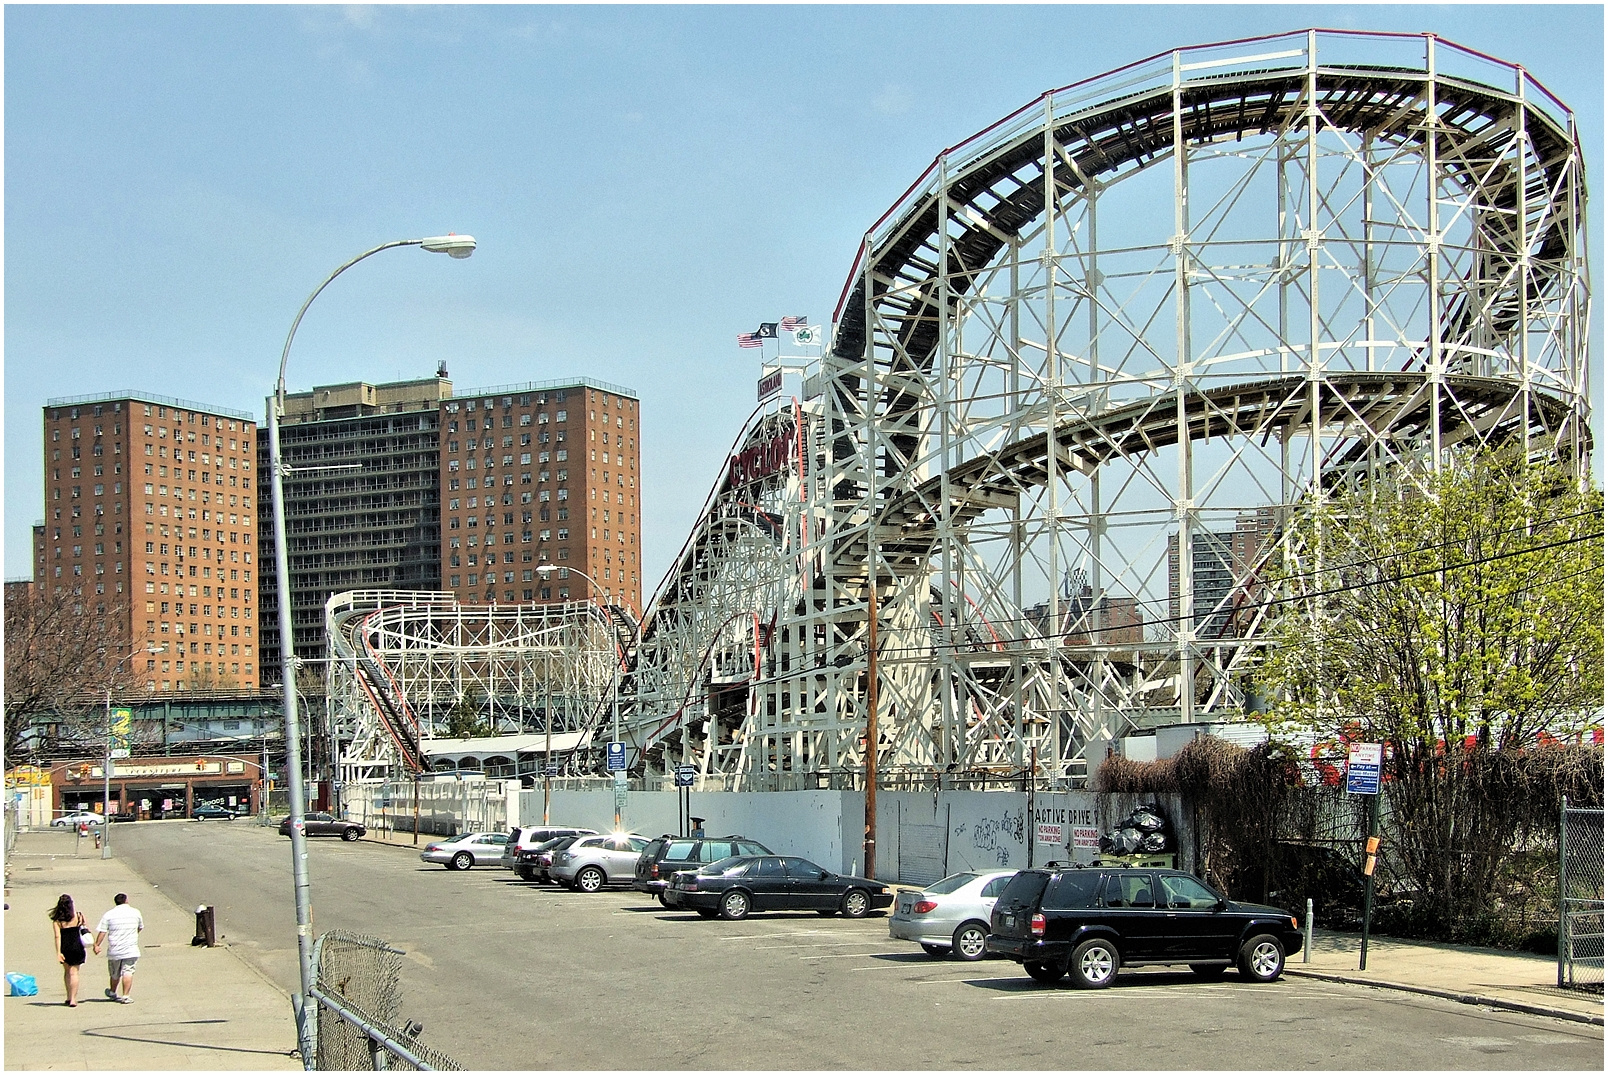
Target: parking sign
<point>1362,768</point>
<point>616,757</point>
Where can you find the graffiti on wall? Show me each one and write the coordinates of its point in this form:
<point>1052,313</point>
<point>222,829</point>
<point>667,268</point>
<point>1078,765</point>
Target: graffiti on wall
<point>997,837</point>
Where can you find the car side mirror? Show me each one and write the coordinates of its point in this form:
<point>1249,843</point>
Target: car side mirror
<point>1221,904</point>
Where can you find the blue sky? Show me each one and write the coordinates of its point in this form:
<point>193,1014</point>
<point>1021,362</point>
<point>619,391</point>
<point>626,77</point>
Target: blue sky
<point>645,182</point>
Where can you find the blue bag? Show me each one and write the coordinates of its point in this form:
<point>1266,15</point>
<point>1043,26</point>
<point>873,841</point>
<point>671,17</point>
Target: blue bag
<point>22,985</point>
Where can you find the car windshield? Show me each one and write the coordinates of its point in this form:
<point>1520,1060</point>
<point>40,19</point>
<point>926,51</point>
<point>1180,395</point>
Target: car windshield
<point>951,883</point>
<point>548,845</point>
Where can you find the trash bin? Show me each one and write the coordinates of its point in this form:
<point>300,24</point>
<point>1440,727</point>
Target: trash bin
<point>206,927</point>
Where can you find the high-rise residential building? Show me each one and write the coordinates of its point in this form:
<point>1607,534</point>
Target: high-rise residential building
<point>361,505</point>
<point>1224,569</point>
<point>541,494</point>
<point>150,518</point>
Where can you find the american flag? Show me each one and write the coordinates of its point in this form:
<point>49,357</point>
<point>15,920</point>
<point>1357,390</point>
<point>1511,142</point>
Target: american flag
<point>748,339</point>
<point>788,324</point>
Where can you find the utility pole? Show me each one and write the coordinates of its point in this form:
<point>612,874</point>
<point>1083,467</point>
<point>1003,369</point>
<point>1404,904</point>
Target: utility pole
<point>870,845</point>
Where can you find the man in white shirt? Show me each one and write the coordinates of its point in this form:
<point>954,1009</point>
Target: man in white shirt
<point>120,929</point>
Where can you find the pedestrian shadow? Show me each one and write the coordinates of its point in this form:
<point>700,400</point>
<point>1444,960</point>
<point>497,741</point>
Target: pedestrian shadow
<point>121,1034</point>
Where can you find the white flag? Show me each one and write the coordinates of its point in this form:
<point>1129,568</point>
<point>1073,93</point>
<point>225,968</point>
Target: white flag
<point>808,336</point>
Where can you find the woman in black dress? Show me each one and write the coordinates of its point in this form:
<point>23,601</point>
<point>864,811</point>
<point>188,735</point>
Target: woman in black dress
<point>67,922</point>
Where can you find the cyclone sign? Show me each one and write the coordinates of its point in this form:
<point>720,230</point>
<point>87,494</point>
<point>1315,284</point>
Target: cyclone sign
<point>763,459</point>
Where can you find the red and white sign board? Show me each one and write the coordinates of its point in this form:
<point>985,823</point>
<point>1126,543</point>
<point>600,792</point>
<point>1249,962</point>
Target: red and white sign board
<point>1085,838</point>
<point>1049,833</point>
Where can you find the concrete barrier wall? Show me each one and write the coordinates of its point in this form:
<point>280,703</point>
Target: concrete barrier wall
<point>922,834</point>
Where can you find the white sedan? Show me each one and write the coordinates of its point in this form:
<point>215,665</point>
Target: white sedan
<point>950,916</point>
<point>75,819</point>
<point>470,849</point>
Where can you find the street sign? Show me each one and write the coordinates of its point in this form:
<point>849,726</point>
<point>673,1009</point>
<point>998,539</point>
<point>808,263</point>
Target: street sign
<point>552,770</point>
<point>1363,762</point>
<point>1085,837</point>
<point>685,775</point>
<point>1049,833</point>
<point>616,757</point>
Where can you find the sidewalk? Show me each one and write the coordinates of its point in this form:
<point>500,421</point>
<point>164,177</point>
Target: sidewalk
<point>1517,981</point>
<point>194,1008</point>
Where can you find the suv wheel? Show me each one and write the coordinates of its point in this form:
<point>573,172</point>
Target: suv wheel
<point>856,902</point>
<point>1094,964</point>
<point>349,835</point>
<point>1044,972</point>
<point>462,860</point>
<point>1262,958</point>
<point>971,941</point>
<point>734,905</point>
<point>590,879</point>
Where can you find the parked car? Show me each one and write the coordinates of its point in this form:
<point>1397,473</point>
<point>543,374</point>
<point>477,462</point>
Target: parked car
<point>319,823</point>
<point>75,819</point>
<point>215,811</point>
<point>470,849</point>
<point>592,862</point>
<point>537,863</point>
<point>126,815</point>
<point>950,916</point>
<point>527,838</point>
<point>670,853</point>
<point>733,887</point>
<point>1091,921</point>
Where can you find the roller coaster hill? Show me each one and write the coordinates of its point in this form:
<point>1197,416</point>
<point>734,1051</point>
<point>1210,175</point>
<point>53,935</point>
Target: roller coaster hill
<point>1079,376</point>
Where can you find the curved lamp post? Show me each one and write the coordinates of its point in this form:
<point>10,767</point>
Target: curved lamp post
<point>457,246</point>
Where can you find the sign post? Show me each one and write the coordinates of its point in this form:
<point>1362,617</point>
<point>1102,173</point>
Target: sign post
<point>615,753</point>
<point>685,775</point>
<point>1363,764</point>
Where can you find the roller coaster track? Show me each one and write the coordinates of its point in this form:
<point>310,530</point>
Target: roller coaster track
<point>1080,375</point>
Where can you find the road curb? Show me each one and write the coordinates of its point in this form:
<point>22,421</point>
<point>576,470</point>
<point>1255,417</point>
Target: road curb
<point>1450,994</point>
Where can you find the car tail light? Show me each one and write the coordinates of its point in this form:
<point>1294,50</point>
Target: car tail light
<point>654,873</point>
<point>1037,925</point>
<point>924,906</point>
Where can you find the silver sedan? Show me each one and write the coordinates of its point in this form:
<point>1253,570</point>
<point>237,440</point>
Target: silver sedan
<point>950,916</point>
<point>470,849</point>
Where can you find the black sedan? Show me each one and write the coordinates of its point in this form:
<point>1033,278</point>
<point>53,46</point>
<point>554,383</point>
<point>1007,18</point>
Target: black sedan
<point>322,824</point>
<point>214,811</point>
<point>732,887</point>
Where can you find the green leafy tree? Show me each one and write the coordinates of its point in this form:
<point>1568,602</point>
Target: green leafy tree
<point>464,720</point>
<point>1456,616</point>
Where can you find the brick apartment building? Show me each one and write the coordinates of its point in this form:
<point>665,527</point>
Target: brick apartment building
<point>150,518</point>
<point>360,501</point>
<point>410,486</point>
<point>542,474</point>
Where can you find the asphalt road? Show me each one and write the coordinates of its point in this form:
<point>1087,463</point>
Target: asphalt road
<point>507,975</point>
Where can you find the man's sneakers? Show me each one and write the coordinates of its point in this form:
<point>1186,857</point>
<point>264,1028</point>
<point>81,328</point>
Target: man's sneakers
<point>111,994</point>
<point>125,1000</point>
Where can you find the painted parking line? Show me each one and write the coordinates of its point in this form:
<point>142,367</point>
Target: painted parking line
<point>822,944</point>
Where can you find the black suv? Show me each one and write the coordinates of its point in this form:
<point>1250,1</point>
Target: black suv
<point>661,859</point>
<point>1090,921</point>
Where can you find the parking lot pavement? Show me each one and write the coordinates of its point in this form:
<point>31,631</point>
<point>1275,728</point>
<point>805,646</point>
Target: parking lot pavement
<point>194,1009</point>
<point>506,974</point>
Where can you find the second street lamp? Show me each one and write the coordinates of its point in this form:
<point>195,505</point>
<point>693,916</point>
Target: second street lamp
<point>456,246</point>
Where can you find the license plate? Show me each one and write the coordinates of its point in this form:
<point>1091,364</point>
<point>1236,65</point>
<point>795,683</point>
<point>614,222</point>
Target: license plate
<point>1007,920</point>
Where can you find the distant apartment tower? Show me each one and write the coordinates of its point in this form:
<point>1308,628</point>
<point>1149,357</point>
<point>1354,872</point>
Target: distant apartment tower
<point>361,508</point>
<point>1225,573</point>
<point>150,518</point>
<point>541,475</point>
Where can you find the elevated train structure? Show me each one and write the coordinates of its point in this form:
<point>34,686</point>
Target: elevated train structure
<point>1081,373</point>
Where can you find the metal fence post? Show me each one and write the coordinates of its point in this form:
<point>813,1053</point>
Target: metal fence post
<point>1563,886</point>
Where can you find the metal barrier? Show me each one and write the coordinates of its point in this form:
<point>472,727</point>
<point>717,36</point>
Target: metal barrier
<point>359,997</point>
<point>1580,899</point>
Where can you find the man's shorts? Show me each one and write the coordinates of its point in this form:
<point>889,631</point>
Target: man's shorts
<point>119,967</point>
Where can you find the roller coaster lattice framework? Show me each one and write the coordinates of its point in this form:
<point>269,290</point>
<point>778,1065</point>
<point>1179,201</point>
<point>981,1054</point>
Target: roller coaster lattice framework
<point>1081,373</point>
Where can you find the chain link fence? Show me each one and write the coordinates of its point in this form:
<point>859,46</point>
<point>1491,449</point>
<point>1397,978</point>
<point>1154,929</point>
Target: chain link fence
<point>1580,899</point>
<point>359,994</point>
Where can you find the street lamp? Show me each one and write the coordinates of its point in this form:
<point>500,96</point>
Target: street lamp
<point>456,246</point>
<point>544,571</point>
<point>106,768</point>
